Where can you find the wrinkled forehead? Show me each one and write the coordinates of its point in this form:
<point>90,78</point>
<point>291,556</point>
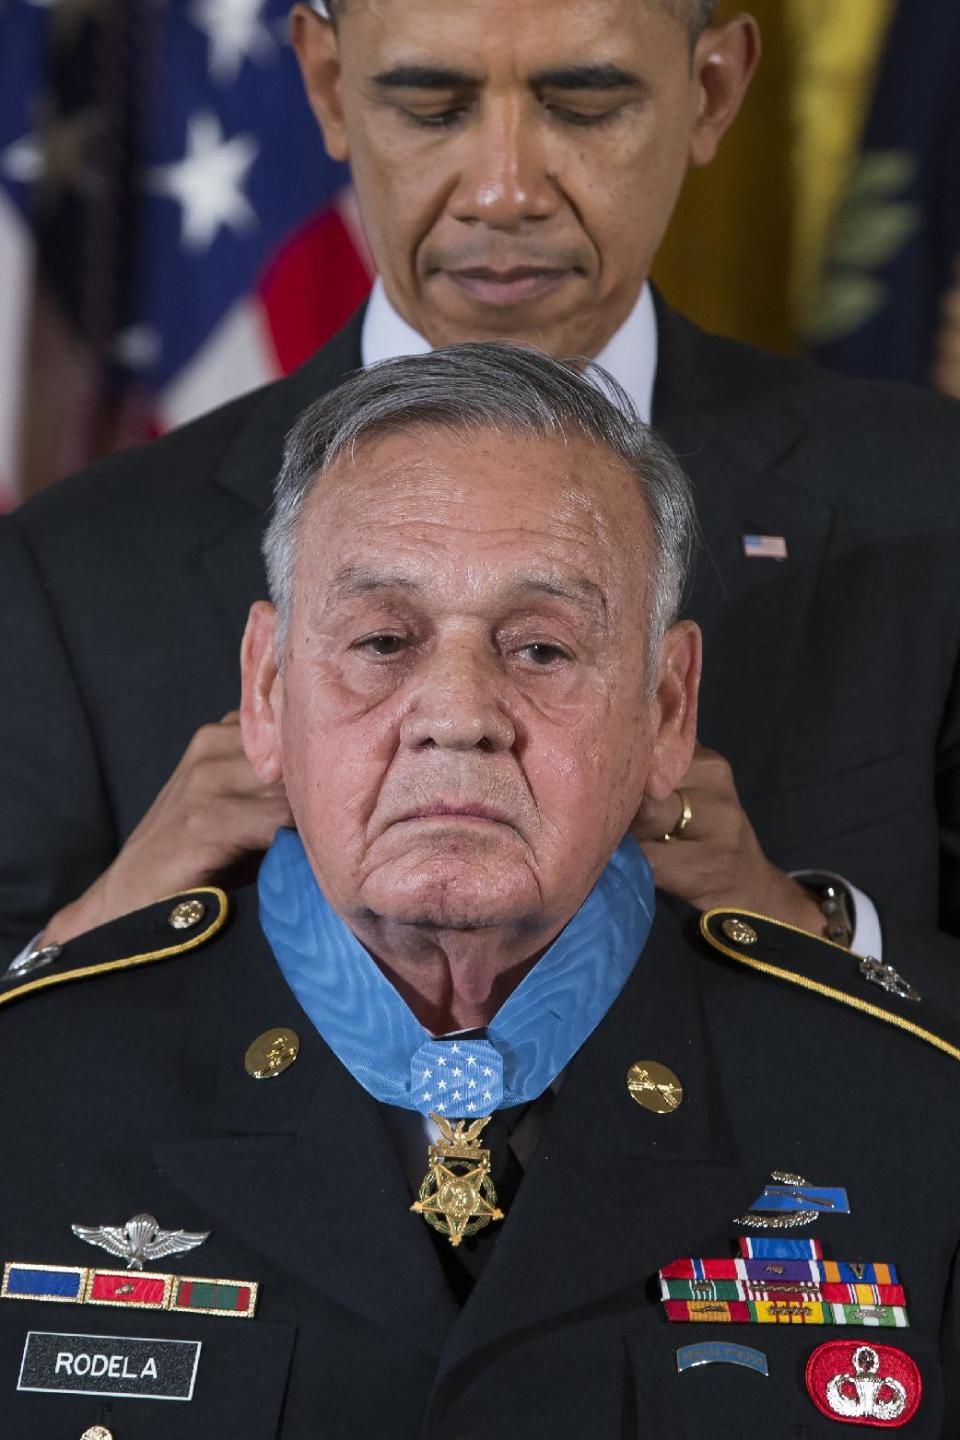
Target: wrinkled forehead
<point>435,495</point>
<point>580,28</point>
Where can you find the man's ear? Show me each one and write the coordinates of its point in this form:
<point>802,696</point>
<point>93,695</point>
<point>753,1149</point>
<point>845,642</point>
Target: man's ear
<point>724,60</point>
<point>678,684</point>
<point>314,38</point>
<point>260,694</point>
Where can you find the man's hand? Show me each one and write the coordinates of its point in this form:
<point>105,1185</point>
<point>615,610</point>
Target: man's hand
<point>717,860</point>
<point>212,812</point>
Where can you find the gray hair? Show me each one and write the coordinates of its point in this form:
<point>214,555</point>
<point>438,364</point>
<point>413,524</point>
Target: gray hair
<point>465,388</point>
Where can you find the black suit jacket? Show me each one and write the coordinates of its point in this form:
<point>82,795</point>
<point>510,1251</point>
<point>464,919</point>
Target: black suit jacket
<point>830,678</point>
<point>126,1092</point>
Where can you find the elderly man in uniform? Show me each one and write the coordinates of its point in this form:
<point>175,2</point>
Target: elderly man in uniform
<point>442,1132</point>
<point>516,164</point>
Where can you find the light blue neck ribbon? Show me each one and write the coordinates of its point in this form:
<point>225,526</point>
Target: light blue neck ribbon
<point>533,1035</point>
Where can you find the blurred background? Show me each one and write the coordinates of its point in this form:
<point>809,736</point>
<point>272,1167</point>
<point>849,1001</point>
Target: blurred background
<point>172,234</point>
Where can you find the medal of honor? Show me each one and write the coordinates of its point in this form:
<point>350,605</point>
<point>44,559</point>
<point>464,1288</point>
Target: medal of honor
<point>457,1196</point>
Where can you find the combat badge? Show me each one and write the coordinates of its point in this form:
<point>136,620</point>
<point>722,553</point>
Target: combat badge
<point>864,1384</point>
<point>457,1196</point>
<point>790,1201</point>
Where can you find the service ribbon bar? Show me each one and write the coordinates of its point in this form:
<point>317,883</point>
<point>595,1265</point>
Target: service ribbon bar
<point>875,1272</point>
<point>135,1289</point>
<point>132,1289</point>
<point>215,1297</point>
<point>785,1310</point>
<point>61,1283</point>
<point>765,1290</point>
<point>773,1247</point>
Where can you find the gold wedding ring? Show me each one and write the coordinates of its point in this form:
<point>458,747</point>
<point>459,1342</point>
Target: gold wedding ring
<point>686,815</point>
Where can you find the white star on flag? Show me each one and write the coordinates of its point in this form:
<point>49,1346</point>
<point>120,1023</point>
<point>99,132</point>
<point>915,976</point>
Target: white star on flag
<point>207,182</point>
<point>236,33</point>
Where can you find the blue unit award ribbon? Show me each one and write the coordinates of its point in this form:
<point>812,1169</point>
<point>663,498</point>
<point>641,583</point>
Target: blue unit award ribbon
<point>533,1035</point>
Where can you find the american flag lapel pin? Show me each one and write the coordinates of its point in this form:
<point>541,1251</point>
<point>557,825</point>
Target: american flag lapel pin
<point>765,547</point>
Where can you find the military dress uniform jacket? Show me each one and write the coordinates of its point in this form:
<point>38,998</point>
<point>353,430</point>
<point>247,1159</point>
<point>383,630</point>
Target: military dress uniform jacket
<point>830,682</point>
<point>125,1091</point>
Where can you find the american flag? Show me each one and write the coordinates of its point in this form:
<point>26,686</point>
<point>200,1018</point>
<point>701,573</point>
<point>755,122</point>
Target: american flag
<point>765,547</point>
<point>171,230</point>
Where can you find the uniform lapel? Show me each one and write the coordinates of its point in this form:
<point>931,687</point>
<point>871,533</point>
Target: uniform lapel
<point>301,1168</point>
<point>614,1191</point>
<point>722,408</point>
<point>249,467</point>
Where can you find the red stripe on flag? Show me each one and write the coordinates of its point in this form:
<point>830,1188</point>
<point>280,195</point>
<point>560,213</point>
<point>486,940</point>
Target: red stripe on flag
<point>312,288</point>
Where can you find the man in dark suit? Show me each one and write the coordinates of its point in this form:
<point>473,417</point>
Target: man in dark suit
<point>516,189</point>
<point>260,1147</point>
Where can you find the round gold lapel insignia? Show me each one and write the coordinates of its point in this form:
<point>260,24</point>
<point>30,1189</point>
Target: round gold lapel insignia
<point>739,931</point>
<point>655,1087</point>
<point>271,1053</point>
<point>187,914</point>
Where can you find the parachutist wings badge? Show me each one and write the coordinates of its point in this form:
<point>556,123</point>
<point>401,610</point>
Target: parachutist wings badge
<point>140,1239</point>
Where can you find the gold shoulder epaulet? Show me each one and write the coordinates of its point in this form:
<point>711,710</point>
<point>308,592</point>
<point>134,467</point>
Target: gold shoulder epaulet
<point>784,952</point>
<point>170,927</point>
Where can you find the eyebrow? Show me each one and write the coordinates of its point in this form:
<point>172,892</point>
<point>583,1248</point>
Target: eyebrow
<point>587,77</point>
<point>354,581</point>
<point>424,77</point>
<point>565,77</point>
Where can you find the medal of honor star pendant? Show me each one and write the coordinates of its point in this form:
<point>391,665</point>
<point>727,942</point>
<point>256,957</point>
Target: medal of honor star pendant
<point>457,1196</point>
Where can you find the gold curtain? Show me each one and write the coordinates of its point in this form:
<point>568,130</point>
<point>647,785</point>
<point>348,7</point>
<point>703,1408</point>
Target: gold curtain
<point>744,249</point>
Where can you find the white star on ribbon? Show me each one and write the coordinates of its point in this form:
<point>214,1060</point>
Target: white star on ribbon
<point>454,1048</point>
<point>441,1084</point>
<point>456,1072</point>
<point>471,1084</point>
<point>487,1095</point>
<point>236,33</point>
<point>456,1095</point>
<point>441,1061</point>
<point>487,1073</point>
<point>207,182</point>
<point>471,1060</point>
<point>427,1095</point>
<point>428,1074</point>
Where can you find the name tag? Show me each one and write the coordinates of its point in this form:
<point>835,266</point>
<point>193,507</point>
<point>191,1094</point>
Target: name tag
<point>109,1365</point>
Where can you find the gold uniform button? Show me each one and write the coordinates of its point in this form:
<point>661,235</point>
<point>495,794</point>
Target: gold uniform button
<point>271,1053</point>
<point>739,931</point>
<point>187,914</point>
<point>97,1432</point>
<point>655,1087</point>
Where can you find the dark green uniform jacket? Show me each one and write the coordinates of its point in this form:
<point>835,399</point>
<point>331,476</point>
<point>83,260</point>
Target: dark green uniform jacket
<point>125,1092</point>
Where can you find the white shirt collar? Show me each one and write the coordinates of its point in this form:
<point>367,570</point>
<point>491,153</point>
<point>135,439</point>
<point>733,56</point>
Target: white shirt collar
<point>630,355</point>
